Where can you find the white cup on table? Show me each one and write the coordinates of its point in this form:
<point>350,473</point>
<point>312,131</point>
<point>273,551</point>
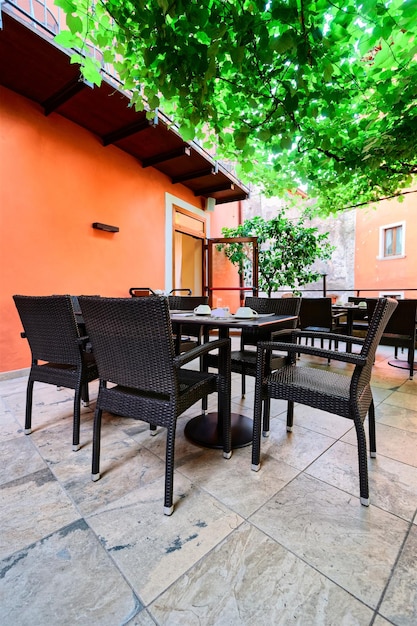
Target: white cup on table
<point>202,309</point>
<point>246,312</point>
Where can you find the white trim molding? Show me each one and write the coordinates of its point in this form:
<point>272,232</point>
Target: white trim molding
<point>170,202</point>
<point>381,256</point>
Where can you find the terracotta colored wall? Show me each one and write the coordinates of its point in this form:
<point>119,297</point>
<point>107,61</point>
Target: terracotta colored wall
<point>389,274</point>
<point>56,179</point>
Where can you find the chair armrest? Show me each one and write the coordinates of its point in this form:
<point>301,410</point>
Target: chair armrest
<point>201,350</point>
<point>295,348</point>
<point>309,334</point>
<point>290,332</point>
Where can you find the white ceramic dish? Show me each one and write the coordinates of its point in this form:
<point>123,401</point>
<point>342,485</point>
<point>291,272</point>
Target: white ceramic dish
<point>246,317</point>
<point>252,317</point>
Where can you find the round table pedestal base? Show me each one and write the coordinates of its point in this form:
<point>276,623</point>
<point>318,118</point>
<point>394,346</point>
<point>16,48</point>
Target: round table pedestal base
<point>203,430</point>
<point>404,365</point>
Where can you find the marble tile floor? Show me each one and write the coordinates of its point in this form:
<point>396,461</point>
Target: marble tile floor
<point>290,544</point>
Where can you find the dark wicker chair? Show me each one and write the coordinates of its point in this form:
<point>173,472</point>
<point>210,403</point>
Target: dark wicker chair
<point>137,292</point>
<point>244,359</point>
<point>181,289</point>
<point>133,344</point>
<point>190,336</point>
<point>316,315</point>
<point>348,396</point>
<point>400,332</point>
<point>360,319</point>
<point>54,339</point>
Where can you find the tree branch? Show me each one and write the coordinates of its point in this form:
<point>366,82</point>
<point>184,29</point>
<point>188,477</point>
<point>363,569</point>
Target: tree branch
<point>395,195</point>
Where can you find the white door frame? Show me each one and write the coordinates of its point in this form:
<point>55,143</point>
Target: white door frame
<point>170,202</point>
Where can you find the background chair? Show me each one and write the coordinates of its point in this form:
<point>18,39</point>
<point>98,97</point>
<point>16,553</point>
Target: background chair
<point>181,289</point>
<point>400,332</point>
<point>244,360</point>
<point>316,315</point>
<point>58,354</point>
<point>360,317</point>
<point>190,336</point>
<point>78,315</point>
<point>137,292</point>
<point>134,348</point>
<point>340,394</point>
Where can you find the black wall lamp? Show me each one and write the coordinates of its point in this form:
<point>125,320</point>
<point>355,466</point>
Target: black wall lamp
<point>106,227</point>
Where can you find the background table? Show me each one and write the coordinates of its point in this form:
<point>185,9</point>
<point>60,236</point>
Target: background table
<point>206,429</point>
<point>349,311</point>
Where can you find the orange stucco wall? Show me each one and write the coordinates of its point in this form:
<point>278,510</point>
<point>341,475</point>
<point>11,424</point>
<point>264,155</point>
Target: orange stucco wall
<point>393,274</point>
<point>56,180</point>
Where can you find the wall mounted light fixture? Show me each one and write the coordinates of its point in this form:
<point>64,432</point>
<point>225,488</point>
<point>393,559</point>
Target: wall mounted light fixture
<point>106,227</point>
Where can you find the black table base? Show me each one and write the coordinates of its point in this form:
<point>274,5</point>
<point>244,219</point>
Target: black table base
<point>203,430</point>
<point>402,364</point>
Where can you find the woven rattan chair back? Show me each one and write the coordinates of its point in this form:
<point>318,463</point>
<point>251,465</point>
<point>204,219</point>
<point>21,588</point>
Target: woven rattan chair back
<point>361,377</point>
<point>243,361</point>
<point>316,314</point>
<point>190,334</point>
<point>277,306</point>
<point>50,328</point>
<point>133,344</point>
<point>132,341</point>
<point>186,303</point>
<point>403,320</point>
<point>58,357</point>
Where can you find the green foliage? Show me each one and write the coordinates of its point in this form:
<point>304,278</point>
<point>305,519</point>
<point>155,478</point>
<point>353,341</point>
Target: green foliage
<point>287,251</point>
<point>315,93</point>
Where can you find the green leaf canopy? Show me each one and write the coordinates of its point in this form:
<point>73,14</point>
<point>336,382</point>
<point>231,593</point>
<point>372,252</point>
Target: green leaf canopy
<point>315,94</point>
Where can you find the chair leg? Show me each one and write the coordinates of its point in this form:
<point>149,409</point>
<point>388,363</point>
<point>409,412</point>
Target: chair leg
<point>169,471</point>
<point>256,438</point>
<point>85,395</point>
<point>290,416</point>
<point>152,428</point>
<point>28,417</point>
<point>243,378</point>
<point>225,411</point>
<point>95,469</point>
<point>372,436</point>
<point>363,461</point>
<point>77,419</point>
<point>411,361</point>
<point>266,417</point>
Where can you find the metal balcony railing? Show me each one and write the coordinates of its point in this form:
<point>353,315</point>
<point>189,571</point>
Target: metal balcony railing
<point>48,19</point>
